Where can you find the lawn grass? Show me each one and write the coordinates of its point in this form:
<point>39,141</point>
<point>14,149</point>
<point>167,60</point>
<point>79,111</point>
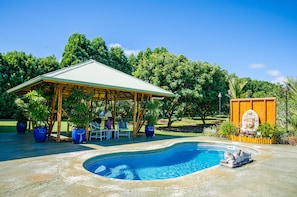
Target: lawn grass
<point>7,126</point>
<point>10,126</point>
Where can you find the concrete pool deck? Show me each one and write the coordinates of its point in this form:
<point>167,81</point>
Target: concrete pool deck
<point>31,169</point>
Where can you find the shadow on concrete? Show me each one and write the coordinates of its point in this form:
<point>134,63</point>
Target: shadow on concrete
<point>18,146</point>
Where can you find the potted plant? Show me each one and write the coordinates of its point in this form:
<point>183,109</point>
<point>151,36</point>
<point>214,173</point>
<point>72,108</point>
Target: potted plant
<point>34,107</point>
<point>21,125</point>
<point>76,106</point>
<point>151,117</point>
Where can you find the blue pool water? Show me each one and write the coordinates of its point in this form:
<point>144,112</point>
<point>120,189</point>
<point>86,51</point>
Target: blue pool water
<point>175,161</point>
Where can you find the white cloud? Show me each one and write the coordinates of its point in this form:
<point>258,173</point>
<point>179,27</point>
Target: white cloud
<point>127,52</point>
<point>256,66</point>
<point>115,45</point>
<point>130,52</point>
<point>279,79</point>
<point>274,73</point>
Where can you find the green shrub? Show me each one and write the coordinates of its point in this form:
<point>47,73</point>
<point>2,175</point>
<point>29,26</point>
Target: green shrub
<point>266,130</point>
<point>227,128</point>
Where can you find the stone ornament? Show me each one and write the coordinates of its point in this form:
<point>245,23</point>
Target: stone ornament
<point>236,159</point>
<point>250,123</point>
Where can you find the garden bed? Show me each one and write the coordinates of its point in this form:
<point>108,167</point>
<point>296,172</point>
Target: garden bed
<point>252,139</point>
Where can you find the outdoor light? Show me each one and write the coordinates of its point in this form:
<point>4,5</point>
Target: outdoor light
<point>220,97</point>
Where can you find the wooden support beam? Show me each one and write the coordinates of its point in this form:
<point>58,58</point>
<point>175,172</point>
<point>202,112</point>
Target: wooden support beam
<point>134,113</point>
<point>52,115</point>
<point>59,112</point>
<point>114,111</point>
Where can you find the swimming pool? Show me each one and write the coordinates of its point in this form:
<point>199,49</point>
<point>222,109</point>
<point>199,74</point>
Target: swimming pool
<point>174,161</point>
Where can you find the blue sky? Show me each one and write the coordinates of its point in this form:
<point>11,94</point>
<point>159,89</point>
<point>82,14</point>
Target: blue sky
<point>251,38</point>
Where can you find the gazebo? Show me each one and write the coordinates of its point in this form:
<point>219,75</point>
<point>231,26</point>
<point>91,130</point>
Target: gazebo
<point>106,83</point>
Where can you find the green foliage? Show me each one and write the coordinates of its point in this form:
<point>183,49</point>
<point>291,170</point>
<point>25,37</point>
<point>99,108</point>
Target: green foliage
<point>195,84</point>
<point>164,70</point>
<point>19,114</point>
<point>209,80</point>
<point>76,50</point>
<point>292,87</point>
<point>151,113</point>
<point>293,121</point>
<point>261,89</point>
<point>79,49</point>
<point>16,68</point>
<point>125,110</point>
<point>34,107</point>
<point>76,107</point>
<point>290,96</point>
<point>236,86</point>
<point>47,64</point>
<point>266,130</point>
<point>118,60</point>
<point>227,128</point>
<point>98,50</point>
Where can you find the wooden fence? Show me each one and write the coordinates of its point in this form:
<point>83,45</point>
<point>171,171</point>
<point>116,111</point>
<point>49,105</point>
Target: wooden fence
<point>264,107</point>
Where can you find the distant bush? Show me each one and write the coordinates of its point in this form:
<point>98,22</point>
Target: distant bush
<point>210,131</point>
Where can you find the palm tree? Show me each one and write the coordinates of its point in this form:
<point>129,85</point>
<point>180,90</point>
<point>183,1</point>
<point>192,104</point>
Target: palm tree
<point>292,86</point>
<point>236,86</point>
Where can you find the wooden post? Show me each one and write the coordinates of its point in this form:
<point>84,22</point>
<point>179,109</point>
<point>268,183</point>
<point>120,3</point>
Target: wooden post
<point>59,112</point>
<point>135,113</point>
<point>53,105</point>
<point>114,111</point>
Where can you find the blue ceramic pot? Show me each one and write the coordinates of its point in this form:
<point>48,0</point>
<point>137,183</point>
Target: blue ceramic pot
<point>78,135</point>
<point>40,133</point>
<point>149,130</point>
<point>21,127</point>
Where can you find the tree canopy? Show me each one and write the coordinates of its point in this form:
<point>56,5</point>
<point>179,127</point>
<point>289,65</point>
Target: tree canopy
<point>195,84</point>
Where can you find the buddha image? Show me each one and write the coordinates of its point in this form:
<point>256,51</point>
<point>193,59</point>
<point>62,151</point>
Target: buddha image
<point>250,122</point>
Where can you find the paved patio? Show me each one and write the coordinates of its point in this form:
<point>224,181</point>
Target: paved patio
<point>31,169</point>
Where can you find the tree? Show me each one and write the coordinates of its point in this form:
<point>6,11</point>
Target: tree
<point>118,60</point>
<point>16,68</point>
<point>76,50</point>
<point>292,87</point>
<point>292,100</point>
<point>260,89</point>
<point>207,81</point>
<point>236,86</point>
<point>98,50</point>
<point>46,64</point>
<point>163,69</point>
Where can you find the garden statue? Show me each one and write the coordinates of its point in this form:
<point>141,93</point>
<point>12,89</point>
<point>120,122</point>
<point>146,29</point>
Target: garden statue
<point>250,123</point>
<point>237,159</point>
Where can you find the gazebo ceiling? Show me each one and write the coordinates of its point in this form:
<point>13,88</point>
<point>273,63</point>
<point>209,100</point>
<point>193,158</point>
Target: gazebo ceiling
<point>106,83</point>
